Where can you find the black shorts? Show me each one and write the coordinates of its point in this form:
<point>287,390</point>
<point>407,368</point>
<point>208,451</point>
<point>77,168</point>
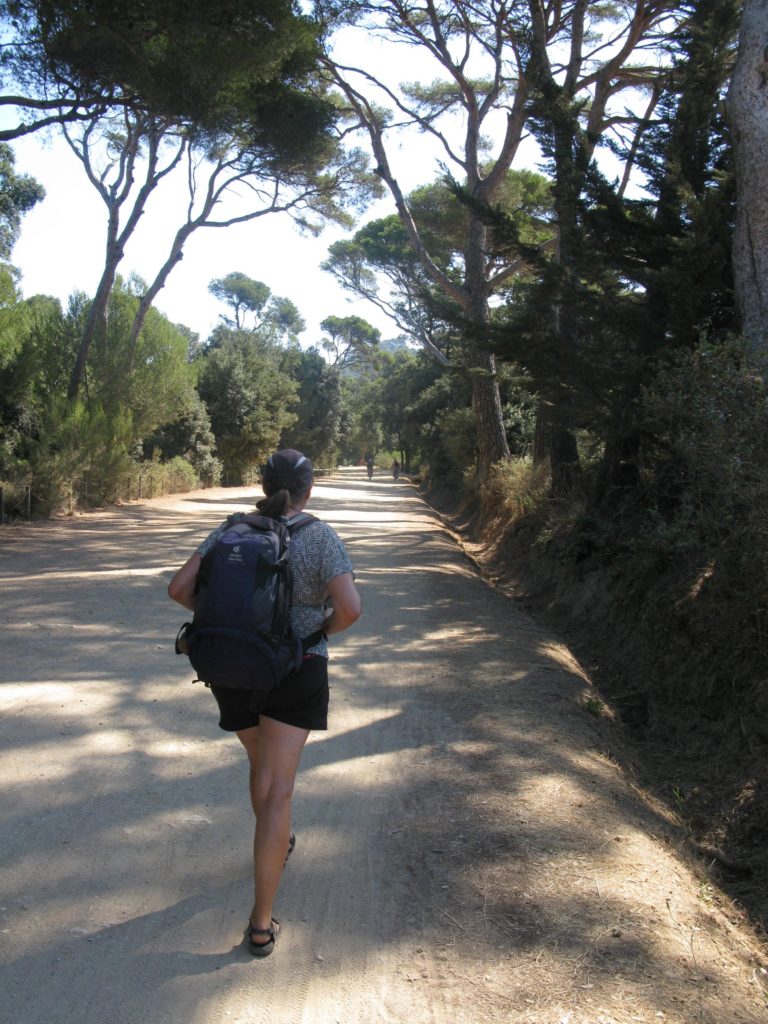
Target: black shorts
<point>301,699</point>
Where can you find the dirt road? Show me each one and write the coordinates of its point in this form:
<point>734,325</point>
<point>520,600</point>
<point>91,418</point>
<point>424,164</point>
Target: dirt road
<point>467,850</point>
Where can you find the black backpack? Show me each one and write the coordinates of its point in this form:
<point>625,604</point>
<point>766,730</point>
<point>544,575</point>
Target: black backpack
<point>240,636</point>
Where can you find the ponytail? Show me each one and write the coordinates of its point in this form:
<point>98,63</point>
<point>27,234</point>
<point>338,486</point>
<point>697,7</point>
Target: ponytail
<point>275,505</point>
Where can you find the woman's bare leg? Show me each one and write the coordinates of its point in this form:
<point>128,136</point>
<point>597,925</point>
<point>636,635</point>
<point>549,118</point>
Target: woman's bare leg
<point>274,750</point>
<point>250,738</point>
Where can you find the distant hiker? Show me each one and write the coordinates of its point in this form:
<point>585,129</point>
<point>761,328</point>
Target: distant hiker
<point>369,464</point>
<point>396,469</point>
<point>274,728</point>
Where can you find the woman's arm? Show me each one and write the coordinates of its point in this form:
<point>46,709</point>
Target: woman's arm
<point>182,587</point>
<point>346,604</point>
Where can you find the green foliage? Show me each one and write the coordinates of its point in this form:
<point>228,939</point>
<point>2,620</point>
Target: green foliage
<point>237,65</point>
<point>189,439</point>
<point>402,381</point>
<point>10,330</point>
<point>519,406</point>
<point>523,202</point>
<point>360,426</point>
<point>84,453</point>
<point>351,342</point>
<point>438,403</point>
<point>593,706</point>
<point>18,194</point>
<point>271,316</point>
<point>242,294</point>
<point>633,279</point>
<point>80,454</point>
<point>153,477</point>
<point>283,322</point>
<point>689,539</point>
<point>18,403</point>
<point>83,456</point>
<point>517,488</point>
<point>50,343</point>
<point>396,408</point>
<point>153,380</point>
<point>318,409</point>
<point>456,438</point>
<point>706,466</point>
<point>248,395</point>
<point>380,264</point>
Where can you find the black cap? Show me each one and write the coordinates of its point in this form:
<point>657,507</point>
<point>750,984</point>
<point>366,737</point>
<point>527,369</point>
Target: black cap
<point>287,469</point>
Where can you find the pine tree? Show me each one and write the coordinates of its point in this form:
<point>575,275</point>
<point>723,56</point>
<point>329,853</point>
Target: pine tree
<point>637,278</point>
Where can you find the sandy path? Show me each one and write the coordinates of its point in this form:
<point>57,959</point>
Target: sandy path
<point>466,849</point>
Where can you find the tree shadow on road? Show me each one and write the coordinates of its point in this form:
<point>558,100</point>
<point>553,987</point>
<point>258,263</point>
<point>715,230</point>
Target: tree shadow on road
<point>470,818</point>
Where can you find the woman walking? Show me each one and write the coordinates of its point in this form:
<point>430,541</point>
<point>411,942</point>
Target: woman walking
<point>274,731</point>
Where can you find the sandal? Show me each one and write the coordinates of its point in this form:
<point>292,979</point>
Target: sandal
<point>291,847</point>
<point>262,948</point>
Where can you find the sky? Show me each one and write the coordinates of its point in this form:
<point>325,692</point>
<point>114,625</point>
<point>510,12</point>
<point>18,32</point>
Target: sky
<point>62,240</point>
<point>61,249</point>
<point>61,246</point>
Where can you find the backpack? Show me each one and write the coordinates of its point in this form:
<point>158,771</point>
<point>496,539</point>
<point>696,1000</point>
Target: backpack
<point>240,636</point>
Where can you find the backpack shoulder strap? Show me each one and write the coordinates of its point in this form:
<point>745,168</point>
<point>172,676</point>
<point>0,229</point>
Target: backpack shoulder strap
<point>266,523</point>
<point>302,519</point>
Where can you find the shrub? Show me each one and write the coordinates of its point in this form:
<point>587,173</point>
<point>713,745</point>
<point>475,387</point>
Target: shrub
<point>82,458</point>
<point>452,449</point>
<point>707,414</point>
<point>79,457</point>
<point>189,436</point>
<point>692,540</point>
<point>152,478</point>
<point>706,469</point>
<point>517,487</point>
<point>14,497</point>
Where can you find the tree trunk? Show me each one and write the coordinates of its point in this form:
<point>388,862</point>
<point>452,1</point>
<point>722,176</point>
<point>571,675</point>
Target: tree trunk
<point>148,298</point>
<point>564,457</point>
<point>472,297</point>
<point>486,401</point>
<point>620,462</point>
<point>540,451</point>
<point>748,113</point>
<point>97,321</point>
<point>115,196</point>
<point>557,443</point>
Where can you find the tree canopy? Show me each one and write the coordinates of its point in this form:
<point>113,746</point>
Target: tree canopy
<point>191,62</point>
<point>350,341</point>
<point>269,313</point>
<point>18,194</point>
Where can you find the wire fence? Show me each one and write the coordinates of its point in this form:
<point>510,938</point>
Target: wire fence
<point>15,502</point>
<point>20,500</point>
<point>25,501</point>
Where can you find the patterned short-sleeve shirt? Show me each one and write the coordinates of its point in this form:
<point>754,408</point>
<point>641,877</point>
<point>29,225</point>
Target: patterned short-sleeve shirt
<point>317,555</point>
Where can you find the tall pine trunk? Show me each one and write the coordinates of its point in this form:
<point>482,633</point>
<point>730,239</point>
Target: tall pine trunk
<point>96,323</point>
<point>748,112</point>
<point>486,400</point>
